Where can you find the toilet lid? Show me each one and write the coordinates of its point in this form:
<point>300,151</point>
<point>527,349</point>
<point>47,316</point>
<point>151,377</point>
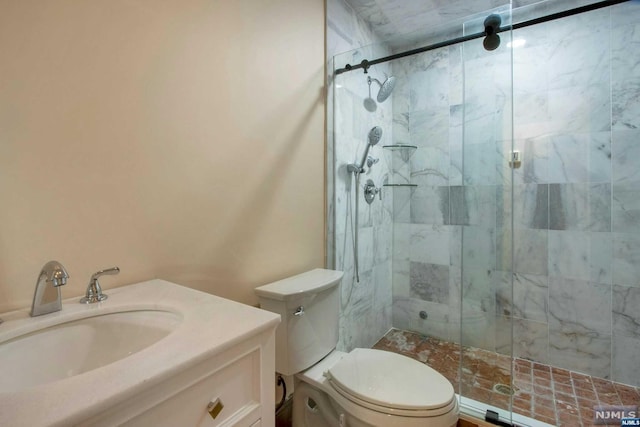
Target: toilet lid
<point>391,380</point>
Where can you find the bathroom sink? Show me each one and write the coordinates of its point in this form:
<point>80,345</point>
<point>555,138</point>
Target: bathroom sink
<point>130,359</point>
<point>72,347</point>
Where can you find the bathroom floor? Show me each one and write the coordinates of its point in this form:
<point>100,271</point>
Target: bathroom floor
<point>553,395</point>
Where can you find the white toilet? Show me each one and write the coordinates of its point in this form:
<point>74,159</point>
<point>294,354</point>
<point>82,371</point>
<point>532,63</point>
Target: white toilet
<point>362,388</point>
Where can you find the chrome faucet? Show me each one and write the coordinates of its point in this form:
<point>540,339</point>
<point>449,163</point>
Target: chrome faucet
<point>94,291</point>
<point>46,298</point>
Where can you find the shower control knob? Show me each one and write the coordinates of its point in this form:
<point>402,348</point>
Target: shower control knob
<point>370,191</point>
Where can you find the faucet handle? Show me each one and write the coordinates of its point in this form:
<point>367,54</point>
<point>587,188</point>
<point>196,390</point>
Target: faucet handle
<point>108,271</point>
<point>94,291</point>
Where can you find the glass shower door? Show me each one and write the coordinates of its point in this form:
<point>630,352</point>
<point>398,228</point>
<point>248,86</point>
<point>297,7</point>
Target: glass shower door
<point>481,210</point>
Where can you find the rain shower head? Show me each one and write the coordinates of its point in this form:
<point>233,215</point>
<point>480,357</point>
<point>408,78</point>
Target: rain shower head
<point>386,87</point>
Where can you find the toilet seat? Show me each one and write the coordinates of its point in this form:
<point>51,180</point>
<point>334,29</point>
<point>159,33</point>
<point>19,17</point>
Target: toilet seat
<point>392,384</point>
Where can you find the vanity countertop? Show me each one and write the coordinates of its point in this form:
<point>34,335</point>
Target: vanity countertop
<point>210,325</point>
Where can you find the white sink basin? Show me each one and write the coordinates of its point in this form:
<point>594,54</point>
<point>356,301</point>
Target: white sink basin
<point>71,348</point>
<point>103,364</point>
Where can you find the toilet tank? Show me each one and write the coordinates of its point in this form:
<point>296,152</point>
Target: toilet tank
<point>309,306</point>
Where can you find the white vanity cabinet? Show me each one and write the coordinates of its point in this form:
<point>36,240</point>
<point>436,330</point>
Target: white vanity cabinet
<point>215,368</point>
<point>237,385</point>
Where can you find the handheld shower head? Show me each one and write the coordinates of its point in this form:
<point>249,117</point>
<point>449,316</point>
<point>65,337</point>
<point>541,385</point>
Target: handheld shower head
<point>375,134</point>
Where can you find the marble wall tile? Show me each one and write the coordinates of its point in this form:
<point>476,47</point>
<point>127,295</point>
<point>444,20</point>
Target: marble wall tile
<point>601,251</point>
<point>562,122</point>
<point>401,312</point>
<point>625,80</point>
<point>600,206</point>
<point>579,60</point>
<point>473,205</point>
<point>626,311</point>
<point>580,207</point>
<point>625,209</point>
<point>402,197</point>
<point>455,246</point>
<point>429,282</point>
<point>569,158</point>
<point>530,338</point>
<point>626,151</point>
<point>626,359</point>
<point>401,259</point>
<point>382,244</point>
<point>429,128</point>
<point>477,329</point>
<point>430,205</point>
<point>531,107</point>
<point>479,247</point>
<point>527,205</point>
<point>459,214</point>
<point>584,304</point>
<point>480,163</point>
<point>455,145</point>
<point>430,60</point>
<point>579,109</point>
<point>478,205</point>
<point>478,290</point>
<point>569,255</point>
<point>400,130</point>
<point>625,13</point>
<point>430,244</point>
<point>437,322</point>
<point>456,88</point>
<point>529,72</point>
<point>530,251</point>
<point>365,305</point>
<point>535,161</point>
<point>626,259</point>
<point>524,296</point>
<point>600,157</point>
<point>580,350</point>
<point>430,166</point>
<point>383,292</point>
<point>429,89</point>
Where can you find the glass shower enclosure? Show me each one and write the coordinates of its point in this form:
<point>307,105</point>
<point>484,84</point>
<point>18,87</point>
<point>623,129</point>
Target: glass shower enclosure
<point>501,246</point>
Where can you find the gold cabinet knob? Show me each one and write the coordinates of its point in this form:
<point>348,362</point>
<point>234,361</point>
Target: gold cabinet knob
<point>215,407</point>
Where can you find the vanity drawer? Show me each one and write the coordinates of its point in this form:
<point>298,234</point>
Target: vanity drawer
<point>236,387</point>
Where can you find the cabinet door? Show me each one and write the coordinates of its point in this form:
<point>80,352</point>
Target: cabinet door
<point>234,392</point>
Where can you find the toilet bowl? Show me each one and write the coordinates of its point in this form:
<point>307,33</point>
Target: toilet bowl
<point>364,387</point>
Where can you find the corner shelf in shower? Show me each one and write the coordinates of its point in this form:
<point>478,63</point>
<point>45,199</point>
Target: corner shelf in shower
<point>400,185</point>
<point>401,147</point>
<point>399,154</point>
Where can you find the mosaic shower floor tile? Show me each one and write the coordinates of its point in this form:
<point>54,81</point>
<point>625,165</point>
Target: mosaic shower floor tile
<point>546,393</point>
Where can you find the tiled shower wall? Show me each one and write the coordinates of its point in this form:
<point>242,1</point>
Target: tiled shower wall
<point>365,311</point>
<point>576,197</point>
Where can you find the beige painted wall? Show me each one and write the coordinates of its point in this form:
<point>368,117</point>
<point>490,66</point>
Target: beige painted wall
<point>178,139</point>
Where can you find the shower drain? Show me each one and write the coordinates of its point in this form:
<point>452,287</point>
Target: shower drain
<point>503,389</point>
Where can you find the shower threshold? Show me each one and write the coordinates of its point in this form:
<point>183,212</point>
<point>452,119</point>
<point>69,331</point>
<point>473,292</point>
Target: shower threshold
<point>541,393</point>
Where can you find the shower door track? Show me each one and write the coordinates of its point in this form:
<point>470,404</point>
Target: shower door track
<point>365,64</point>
